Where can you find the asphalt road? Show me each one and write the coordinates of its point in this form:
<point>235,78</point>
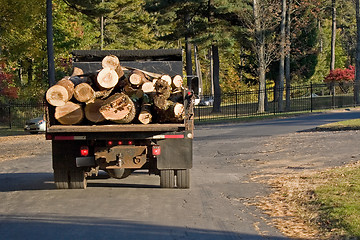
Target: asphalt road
<point>136,208</point>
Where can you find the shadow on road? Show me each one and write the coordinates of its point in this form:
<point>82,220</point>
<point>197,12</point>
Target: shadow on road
<point>55,227</point>
<point>10,182</point>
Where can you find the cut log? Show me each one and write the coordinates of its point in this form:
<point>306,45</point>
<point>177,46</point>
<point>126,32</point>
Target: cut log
<point>167,78</point>
<point>163,88</point>
<point>177,82</point>
<point>137,78</point>
<point>92,111</point>
<point>77,71</point>
<point>60,93</point>
<point>177,111</point>
<point>176,96</point>
<point>103,93</point>
<point>145,116</point>
<point>84,92</point>
<point>69,114</point>
<point>130,116</point>
<point>113,63</point>
<point>116,107</point>
<point>161,102</point>
<point>107,78</point>
<point>148,87</point>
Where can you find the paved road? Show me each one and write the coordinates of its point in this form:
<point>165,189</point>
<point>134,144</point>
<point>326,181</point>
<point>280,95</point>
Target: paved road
<point>136,208</point>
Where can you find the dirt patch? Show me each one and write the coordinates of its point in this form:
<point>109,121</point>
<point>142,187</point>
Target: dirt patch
<point>288,162</point>
<point>13,147</point>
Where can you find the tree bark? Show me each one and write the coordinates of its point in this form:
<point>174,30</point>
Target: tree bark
<point>288,58</point>
<point>333,35</point>
<point>357,59</point>
<point>92,111</point>
<point>163,88</point>
<point>260,49</point>
<point>282,57</point>
<point>84,92</point>
<point>60,93</point>
<point>69,114</point>
<point>216,80</point>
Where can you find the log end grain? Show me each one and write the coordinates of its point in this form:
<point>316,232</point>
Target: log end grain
<point>57,95</point>
<point>107,78</point>
<point>69,114</point>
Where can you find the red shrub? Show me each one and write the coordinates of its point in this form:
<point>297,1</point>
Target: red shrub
<point>341,75</point>
<point>6,86</point>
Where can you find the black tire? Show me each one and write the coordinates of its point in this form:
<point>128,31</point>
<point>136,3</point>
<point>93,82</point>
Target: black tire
<point>183,178</point>
<point>77,179</point>
<point>167,178</point>
<point>119,173</point>
<point>61,178</point>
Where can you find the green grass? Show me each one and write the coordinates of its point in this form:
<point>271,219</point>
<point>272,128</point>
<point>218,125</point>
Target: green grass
<point>12,132</point>
<point>339,200</point>
<point>353,124</point>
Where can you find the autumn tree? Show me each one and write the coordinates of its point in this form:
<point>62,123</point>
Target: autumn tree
<point>357,74</point>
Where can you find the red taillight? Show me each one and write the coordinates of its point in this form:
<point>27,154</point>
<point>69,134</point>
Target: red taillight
<point>84,151</point>
<point>120,143</point>
<point>130,142</point>
<point>156,150</point>
<point>110,143</point>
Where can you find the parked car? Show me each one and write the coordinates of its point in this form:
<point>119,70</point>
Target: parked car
<point>35,125</point>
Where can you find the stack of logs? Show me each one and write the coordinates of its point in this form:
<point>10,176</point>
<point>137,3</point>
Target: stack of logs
<point>111,95</point>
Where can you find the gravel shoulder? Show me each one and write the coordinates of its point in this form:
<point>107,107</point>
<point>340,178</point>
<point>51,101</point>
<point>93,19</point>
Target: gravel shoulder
<point>14,147</point>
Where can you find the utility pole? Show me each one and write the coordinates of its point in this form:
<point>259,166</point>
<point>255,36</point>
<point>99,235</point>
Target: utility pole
<point>50,43</point>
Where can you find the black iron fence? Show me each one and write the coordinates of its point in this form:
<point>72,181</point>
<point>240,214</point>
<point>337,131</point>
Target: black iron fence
<point>14,115</point>
<point>302,98</point>
<point>233,105</point>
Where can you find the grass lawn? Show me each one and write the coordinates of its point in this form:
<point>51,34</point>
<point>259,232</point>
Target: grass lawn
<point>338,199</point>
<point>353,124</point>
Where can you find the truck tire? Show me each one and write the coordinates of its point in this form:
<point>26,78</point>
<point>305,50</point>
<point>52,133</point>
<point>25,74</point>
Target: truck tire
<point>167,178</point>
<point>183,178</point>
<point>119,173</point>
<point>61,178</point>
<point>77,179</point>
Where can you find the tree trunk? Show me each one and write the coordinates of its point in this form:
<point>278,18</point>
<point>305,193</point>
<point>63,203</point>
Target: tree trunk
<point>260,51</point>
<point>357,59</point>
<point>288,58</point>
<point>107,78</point>
<point>282,57</point>
<point>116,107</point>
<point>188,65</point>
<point>92,111</point>
<point>69,114</point>
<point>216,80</point>
<point>84,92</point>
<point>333,35</point>
<point>60,93</point>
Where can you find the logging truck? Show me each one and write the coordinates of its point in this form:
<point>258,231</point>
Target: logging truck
<point>121,111</point>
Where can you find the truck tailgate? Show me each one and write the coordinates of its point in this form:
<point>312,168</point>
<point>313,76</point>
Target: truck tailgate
<point>169,127</point>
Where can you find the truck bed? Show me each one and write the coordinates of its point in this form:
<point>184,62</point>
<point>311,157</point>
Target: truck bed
<point>167,127</point>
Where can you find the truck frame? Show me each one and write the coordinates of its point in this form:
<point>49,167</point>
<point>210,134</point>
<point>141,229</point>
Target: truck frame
<point>164,149</point>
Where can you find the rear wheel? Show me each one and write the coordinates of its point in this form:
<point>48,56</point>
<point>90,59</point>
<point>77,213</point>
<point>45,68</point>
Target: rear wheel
<point>183,178</point>
<point>167,178</point>
<point>61,178</point>
<point>77,179</point>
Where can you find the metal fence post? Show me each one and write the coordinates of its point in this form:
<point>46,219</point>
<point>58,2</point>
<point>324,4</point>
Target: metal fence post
<point>311,97</point>
<point>236,103</point>
<point>9,115</point>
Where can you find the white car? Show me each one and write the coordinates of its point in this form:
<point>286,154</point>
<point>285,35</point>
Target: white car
<point>35,125</point>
